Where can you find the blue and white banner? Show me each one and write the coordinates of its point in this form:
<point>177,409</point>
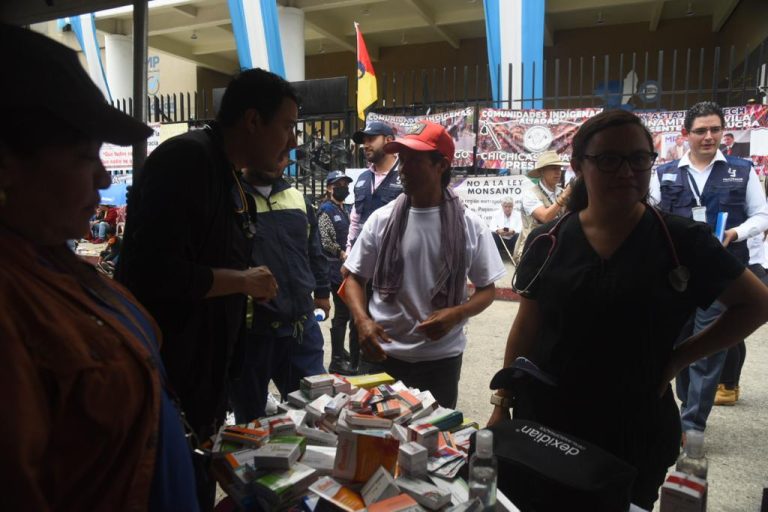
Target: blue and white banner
<point>515,35</point>
<point>257,34</point>
<point>84,27</point>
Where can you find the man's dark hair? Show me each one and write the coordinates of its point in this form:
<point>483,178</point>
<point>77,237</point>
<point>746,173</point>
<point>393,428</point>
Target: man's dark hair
<point>729,134</point>
<point>436,156</point>
<point>254,88</point>
<point>702,109</point>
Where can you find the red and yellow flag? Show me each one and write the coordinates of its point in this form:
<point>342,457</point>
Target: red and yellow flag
<point>366,78</point>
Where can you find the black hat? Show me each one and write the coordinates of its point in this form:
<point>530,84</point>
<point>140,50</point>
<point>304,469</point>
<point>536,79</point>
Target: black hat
<point>42,74</point>
<point>373,128</point>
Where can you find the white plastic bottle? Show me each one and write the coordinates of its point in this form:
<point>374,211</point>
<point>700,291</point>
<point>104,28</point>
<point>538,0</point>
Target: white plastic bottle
<point>319,314</point>
<point>483,471</point>
<point>692,461</point>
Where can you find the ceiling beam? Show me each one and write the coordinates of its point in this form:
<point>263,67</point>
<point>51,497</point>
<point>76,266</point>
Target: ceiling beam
<point>326,5</point>
<point>186,52</point>
<point>186,10</point>
<point>656,11</point>
<point>721,11</point>
<point>330,34</point>
<point>171,21</point>
<point>425,14</point>
<point>209,48</point>
<point>110,26</point>
<point>568,6</point>
<point>126,9</point>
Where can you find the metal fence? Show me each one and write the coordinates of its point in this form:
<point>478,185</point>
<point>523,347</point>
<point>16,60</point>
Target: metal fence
<point>663,80</point>
<point>681,77</point>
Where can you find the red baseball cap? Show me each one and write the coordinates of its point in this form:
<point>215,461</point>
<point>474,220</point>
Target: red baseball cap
<point>424,136</point>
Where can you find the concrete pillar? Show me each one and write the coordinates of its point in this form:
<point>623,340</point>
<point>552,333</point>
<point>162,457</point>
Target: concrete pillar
<point>118,50</point>
<point>291,22</point>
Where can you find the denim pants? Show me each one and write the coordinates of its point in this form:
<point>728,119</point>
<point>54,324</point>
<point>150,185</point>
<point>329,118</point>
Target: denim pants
<point>696,385</point>
<point>283,353</point>
<point>100,230</point>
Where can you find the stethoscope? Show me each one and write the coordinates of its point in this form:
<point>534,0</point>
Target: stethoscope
<point>678,277</point>
<point>242,208</point>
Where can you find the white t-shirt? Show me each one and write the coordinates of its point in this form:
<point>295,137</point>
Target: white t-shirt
<point>514,222</point>
<point>421,253</point>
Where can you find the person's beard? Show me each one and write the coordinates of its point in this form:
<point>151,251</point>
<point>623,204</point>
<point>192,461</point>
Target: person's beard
<point>377,156</point>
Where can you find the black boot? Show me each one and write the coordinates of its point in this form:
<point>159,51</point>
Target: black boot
<point>340,366</point>
<point>339,363</point>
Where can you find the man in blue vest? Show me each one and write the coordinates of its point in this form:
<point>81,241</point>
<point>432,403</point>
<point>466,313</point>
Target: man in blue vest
<point>380,183</point>
<point>333,223</point>
<point>375,187</point>
<point>702,185</point>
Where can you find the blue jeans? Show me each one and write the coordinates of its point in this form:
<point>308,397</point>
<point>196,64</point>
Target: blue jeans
<point>100,230</point>
<point>283,353</point>
<point>697,384</point>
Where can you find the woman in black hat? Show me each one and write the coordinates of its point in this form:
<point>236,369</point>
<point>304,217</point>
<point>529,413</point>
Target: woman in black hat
<point>605,291</point>
<point>89,423</point>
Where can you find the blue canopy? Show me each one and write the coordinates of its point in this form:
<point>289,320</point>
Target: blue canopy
<point>115,195</point>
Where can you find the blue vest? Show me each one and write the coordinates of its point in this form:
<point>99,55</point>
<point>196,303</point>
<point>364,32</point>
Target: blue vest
<point>724,191</point>
<point>367,202</point>
<point>340,218</point>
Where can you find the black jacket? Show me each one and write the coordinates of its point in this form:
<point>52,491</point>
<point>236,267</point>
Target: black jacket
<point>288,242</point>
<point>181,224</point>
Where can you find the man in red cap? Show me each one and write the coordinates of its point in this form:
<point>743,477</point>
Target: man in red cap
<point>419,251</point>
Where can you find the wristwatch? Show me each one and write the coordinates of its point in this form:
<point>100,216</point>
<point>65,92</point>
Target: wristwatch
<point>500,401</point>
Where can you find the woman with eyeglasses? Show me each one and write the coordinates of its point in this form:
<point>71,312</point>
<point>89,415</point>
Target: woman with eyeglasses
<point>604,293</point>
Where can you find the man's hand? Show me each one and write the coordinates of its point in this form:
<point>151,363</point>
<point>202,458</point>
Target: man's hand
<point>343,255</point>
<point>440,322</point>
<point>260,283</point>
<point>498,414</point>
<point>370,334</point>
<point>324,304</point>
<point>674,366</point>
<point>344,272</point>
<point>729,236</point>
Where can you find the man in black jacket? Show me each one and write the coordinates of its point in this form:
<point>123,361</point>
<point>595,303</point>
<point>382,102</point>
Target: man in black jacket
<point>194,277</point>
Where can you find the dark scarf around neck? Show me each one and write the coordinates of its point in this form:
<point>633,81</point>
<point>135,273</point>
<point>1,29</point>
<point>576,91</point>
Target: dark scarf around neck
<point>451,277</point>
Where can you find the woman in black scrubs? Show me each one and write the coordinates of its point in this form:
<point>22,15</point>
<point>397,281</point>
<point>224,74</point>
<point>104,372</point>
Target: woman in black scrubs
<point>605,292</point>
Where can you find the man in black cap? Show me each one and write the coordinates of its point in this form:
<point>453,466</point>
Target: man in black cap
<point>333,222</point>
<point>378,185</point>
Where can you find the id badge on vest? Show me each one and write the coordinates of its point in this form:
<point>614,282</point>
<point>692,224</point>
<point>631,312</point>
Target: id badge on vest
<point>699,213</point>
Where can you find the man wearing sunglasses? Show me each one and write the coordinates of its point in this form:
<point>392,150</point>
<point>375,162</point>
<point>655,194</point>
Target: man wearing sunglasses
<point>705,185</point>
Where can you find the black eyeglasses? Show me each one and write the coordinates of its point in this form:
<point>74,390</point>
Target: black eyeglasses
<point>701,132</point>
<point>639,161</point>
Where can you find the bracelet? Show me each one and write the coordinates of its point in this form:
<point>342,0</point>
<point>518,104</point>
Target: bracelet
<point>500,401</point>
